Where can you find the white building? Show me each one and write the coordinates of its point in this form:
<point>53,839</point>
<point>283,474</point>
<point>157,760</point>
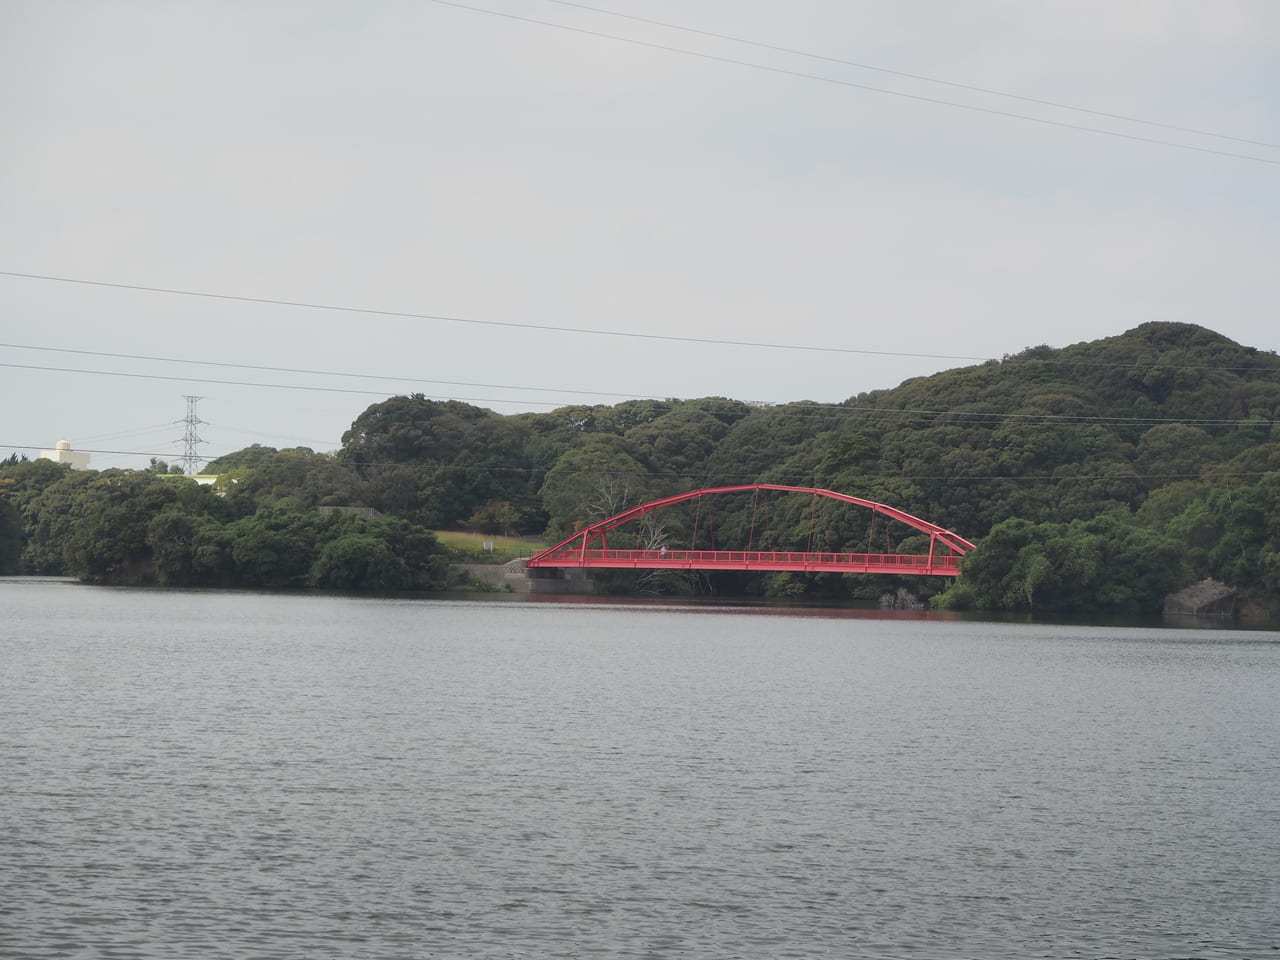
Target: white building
<point>62,453</point>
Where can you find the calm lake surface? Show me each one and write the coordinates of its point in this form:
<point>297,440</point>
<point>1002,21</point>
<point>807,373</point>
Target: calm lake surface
<point>201,774</point>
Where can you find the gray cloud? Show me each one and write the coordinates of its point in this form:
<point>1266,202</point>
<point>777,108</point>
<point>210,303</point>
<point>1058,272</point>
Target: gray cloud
<point>421,158</point>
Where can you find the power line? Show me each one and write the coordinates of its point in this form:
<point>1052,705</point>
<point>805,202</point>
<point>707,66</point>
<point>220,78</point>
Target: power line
<point>158,376</point>
<point>700,475</point>
<point>130,432</point>
<point>828,412</point>
<point>407,315</point>
<point>296,441</point>
<point>812,412</point>
<point>264,385</point>
<point>390,378</point>
<point>916,76</point>
<point>321,373</point>
<point>951,416</point>
<point>629,334</point>
<point>937,101</point>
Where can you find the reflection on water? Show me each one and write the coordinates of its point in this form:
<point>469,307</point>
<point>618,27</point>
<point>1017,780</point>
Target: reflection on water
<point>200,774</point>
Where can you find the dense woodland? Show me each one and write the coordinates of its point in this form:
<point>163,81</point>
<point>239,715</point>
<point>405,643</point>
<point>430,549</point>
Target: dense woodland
<point>1098,476</point>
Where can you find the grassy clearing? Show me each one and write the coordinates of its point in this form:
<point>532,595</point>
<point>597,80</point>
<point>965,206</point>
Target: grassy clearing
<point>466,547</point>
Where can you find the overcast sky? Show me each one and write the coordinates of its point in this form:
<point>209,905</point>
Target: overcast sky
<point>581,169</point>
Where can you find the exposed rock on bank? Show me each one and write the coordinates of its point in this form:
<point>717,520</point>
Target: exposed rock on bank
<point>903,599</point>
<point>1208,598</point>
<point>514,577</point>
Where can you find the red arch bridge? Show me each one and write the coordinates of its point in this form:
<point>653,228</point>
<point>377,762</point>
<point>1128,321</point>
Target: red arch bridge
<point>589,547</point>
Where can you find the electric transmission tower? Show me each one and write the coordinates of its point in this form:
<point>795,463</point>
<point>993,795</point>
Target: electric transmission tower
<point>191,460</point>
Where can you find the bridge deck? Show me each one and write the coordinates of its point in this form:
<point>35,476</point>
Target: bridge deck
<point>575,556</point>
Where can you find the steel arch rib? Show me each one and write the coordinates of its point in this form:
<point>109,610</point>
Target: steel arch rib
<point>597,530</point>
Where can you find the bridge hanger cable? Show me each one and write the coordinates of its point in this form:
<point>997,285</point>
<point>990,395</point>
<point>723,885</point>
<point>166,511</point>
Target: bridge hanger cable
<point>869,88</point>
<point>972,88</point>
<point>813,507</point>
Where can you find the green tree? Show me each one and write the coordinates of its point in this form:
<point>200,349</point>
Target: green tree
<point>276,546</point>
<point>10,538</point>
<point>592,482</point>
<point>170,535</point>
<point>1107,563</point>
<point>107,542</point>
<point>212,562</point>
<point>359,561</point>
<point>1174,451</point>
<point>254,455</point>
<point>496,517</point>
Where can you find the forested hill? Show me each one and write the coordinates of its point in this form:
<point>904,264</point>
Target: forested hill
<point>1063,434</point>
<point>1098,475</point>
<point>1044,435</point>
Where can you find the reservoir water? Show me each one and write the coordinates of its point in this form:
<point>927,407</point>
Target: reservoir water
<point>203,774</point>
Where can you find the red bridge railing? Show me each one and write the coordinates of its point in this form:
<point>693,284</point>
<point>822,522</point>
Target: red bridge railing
<point>937,565</point>
<point>589,547</point>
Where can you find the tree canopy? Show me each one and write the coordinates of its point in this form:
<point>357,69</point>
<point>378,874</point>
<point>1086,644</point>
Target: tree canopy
<point>1094,476</point>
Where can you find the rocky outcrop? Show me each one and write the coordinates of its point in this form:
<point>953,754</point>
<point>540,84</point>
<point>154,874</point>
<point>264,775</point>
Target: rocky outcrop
<point>1208,598</point>
<point>902,599</point>
<point>514,577</point>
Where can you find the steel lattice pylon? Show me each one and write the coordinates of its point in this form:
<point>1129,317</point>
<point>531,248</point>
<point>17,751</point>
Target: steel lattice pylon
<point>191,460</point>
